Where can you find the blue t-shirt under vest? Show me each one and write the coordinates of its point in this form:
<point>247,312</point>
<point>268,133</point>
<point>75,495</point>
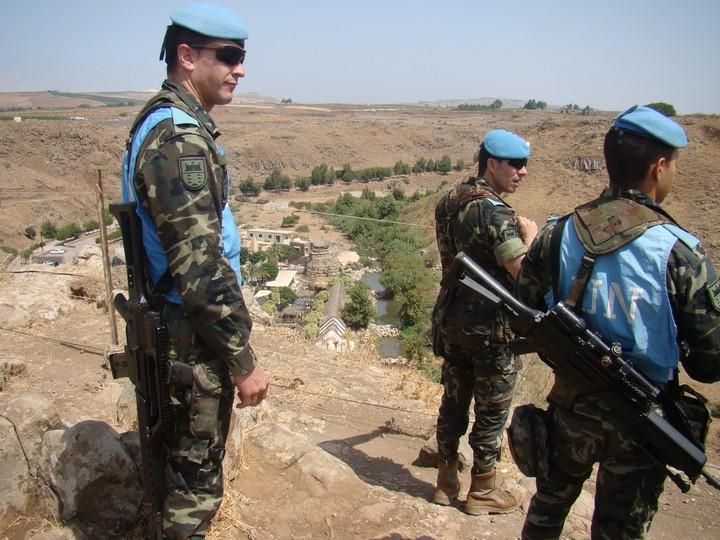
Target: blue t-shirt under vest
<point>156,258</point>
<point>626,298</point>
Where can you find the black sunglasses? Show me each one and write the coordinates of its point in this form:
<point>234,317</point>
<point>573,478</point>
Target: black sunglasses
<point>227,54</point>
<point>517,163</point>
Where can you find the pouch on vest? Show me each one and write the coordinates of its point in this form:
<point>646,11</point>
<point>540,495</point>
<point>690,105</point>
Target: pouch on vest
<point>528,440</point>
<point>691,414</point>
<point>204,404</point>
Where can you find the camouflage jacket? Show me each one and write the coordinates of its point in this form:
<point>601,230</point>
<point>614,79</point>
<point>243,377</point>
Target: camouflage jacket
<point>692,286</point>
<point>180,180</point>
<point>483,226</point>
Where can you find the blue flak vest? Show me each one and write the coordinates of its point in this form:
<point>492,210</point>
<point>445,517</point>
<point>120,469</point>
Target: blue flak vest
<point>156,258</point>
<point>626,299</point>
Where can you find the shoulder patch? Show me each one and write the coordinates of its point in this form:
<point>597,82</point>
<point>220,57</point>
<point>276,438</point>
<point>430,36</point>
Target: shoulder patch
<point>193,172</point>
<point>713,290</point>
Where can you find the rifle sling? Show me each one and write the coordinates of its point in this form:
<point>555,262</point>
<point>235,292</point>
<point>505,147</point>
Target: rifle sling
<point>555,241</point>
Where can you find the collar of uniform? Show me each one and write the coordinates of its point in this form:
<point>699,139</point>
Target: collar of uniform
<point>632,194</point>
<point>483,183</point>
<point>194,105</point>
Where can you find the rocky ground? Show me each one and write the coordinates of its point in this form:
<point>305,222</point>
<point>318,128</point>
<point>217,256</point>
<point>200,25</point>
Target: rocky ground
<point>333,453</point>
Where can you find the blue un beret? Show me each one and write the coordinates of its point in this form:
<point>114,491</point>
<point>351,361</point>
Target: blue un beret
<point>504,144</point>
<point>210,20</point>
<point>652,124</point>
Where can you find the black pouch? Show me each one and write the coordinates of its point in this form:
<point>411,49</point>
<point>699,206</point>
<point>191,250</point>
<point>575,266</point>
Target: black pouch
<point>528,440</point>
<point>689,413</point>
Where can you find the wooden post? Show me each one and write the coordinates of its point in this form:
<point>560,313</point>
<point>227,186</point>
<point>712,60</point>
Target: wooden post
<point>106,259</point>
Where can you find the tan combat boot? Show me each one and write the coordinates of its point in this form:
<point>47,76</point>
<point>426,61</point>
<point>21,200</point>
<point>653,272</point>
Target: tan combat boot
<point>448,484</point>
<point>485,498</point>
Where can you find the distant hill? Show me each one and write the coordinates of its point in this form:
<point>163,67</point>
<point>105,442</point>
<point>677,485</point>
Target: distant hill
<point>450,103</point>
<point>53,99</point>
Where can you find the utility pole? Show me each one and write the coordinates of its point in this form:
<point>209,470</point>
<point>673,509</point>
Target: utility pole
<point>106,259</point>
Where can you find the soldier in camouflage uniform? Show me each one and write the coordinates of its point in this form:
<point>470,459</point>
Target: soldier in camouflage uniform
<point>643,282</point>
<point>177,173</point>
<point>471,334</point>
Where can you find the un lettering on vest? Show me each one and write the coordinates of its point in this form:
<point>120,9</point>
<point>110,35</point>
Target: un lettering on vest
<point>618,301</point>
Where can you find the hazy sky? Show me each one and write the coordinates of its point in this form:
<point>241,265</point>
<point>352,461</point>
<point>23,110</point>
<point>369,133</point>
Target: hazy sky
<point>607,54</point>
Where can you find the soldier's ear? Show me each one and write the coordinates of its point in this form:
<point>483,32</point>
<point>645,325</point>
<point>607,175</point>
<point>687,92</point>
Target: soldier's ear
<point>186,57</point>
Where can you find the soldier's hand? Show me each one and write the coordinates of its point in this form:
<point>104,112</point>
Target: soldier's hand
<point>527,228</point>
<point>252,387</point>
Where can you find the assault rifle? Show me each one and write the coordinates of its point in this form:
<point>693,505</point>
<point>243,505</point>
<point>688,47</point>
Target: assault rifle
<point>145,362</point>
<point>576,354</point>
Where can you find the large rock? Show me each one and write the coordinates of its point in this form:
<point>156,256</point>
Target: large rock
<point>15,484</point>
<point>93,475</point>
<point>320,473</point>
<point>32,415</point>
<point>126,406</point>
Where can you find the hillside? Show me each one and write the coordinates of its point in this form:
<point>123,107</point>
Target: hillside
<point>48,166</point>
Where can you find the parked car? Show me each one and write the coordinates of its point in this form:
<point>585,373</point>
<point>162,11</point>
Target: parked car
<point>57,251</point>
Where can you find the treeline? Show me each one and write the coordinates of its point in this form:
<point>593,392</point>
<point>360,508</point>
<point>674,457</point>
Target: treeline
<point>494,106</point>
<point>327,175</point>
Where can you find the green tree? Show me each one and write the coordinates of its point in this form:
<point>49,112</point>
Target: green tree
<point>419,166</point>
<point>413,307</point>
<point>280,252</point>
<point>303,184</point>
<point>322,174</point>
<point>429,165</point>
<point>444,165</point>
<point>662,107</point>
<point>541,105</point>
<point>277,181</point>
<point>48,229</point>
<point>358,311</point>
<point>249,188</point>
<point>257,256</point>
<point>269,270</point>
<point>244,255</point>
<point>531,105</point>
<point>282,297</point>
<point>347,174</point>
<point>460,165</point>
<point>401,168</point>
<point>398,194</point>
<point>290,221</point>
<point>69,230</point>
<point>30,232</point>
<point>497,104</point>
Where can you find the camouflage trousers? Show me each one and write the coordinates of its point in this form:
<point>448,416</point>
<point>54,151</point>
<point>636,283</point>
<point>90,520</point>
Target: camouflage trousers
<point>194,475</point>
<point>488,375</point>
<point>629,482</point>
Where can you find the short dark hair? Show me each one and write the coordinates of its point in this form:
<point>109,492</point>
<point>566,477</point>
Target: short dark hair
<point>483,156</point>
<point>628,156</point>
<point>176,35</point>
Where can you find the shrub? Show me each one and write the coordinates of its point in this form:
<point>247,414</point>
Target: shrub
<point>359,310</point>
<point>90,225</point>
<point>249,188</point>
<point>662,107</point>
<point>69,230</point>
<point>444,165</point>
<point>290,221</point>
<point>48,229</point>
<point>302,228</point>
